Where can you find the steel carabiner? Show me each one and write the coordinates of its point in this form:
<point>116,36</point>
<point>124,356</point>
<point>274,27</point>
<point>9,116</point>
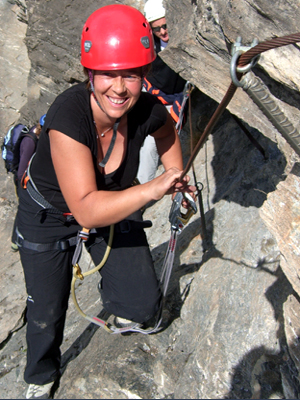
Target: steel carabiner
<point>178,219</point>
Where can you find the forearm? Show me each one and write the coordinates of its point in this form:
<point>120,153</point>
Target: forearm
<point>103,208</point>
<point>169,149</point>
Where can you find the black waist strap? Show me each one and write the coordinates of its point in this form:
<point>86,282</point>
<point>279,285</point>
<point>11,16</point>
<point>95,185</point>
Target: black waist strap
<point>127,225</point>
<point>124,226</point>
<point>61,245</point>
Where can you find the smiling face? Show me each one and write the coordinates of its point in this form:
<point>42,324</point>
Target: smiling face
<point>160,32</point>
<point>117,91</point>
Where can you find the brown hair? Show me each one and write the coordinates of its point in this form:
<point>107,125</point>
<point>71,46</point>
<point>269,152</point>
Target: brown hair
<point>38,129</point>
<point>145,71</point>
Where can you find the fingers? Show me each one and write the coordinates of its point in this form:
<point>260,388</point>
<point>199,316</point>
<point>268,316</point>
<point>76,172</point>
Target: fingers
<point>168,183</point>
<point>185,203</point>
<point>164,184</point>
<point>183,186</point>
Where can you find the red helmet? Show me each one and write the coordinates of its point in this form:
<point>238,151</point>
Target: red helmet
<point>116,37</point>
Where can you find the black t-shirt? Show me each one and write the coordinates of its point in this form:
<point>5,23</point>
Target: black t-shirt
<point>71,114</point>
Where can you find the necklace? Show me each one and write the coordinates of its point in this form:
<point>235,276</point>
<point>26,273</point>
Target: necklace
<point>103,133</point>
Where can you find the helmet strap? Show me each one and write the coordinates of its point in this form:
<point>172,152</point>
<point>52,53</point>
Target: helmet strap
<point>111,145</point>
<point>91,79</point>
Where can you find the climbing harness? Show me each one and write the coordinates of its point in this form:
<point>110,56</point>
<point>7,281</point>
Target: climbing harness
<point>77,240</point>
<point>178,220</point>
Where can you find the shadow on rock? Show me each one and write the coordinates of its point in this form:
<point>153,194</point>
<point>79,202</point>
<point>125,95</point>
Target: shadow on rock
<point>246,167</point>
<point>246,164</point>
<point>175,295</point>
<point>263,373</point>
<point>81,342</point>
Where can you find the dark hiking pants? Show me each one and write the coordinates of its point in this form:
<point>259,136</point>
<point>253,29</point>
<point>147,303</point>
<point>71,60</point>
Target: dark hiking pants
<point>129,286</point>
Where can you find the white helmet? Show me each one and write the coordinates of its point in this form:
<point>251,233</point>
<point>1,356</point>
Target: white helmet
<point>154,10</point>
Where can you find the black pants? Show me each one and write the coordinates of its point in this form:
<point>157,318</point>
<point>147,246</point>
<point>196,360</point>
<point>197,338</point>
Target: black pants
<point>129,285</point>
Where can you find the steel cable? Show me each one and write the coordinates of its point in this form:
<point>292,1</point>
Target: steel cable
<point>243,60</point>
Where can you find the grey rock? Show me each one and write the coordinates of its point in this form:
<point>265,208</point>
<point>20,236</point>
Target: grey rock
<point>15,67</point>
<point>230,320</point>
<point>284,213</point>
<point>202,35</point>
<point>290,371</point>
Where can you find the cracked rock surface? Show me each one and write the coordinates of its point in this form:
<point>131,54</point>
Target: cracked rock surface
<point>231,318</point>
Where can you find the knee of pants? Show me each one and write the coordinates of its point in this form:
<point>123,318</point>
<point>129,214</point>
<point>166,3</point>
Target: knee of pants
<point>129,285</point>
<point>137,308</point>
<point>39,319</point>
<point>149,308</point>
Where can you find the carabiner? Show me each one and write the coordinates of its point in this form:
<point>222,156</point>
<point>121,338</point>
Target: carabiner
<point>77,272</point>
<point>178,219</point>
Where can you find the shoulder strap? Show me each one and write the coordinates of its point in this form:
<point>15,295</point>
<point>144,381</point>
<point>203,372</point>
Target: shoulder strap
<point>30,134</point>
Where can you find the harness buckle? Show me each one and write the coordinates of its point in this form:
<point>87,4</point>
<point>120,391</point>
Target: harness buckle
<point>19,238</point>
<point>178,219</point>
<point>64,245</point>
<point>124,226</point>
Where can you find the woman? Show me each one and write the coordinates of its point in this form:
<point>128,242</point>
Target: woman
<point>82,176</point>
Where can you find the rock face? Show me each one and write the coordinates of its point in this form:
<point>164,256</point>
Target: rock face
<point>231,319</point>
<point>204,45</point>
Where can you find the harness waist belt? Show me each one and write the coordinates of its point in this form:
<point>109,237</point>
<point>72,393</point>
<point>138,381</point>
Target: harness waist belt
<point>127,225</point>
<point>61,245</point>
<point>124,226</point>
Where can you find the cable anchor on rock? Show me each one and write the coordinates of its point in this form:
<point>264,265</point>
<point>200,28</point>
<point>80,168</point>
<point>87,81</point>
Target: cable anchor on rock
<point>236,52</point>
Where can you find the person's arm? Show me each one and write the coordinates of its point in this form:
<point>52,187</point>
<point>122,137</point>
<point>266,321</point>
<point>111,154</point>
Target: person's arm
<point>169,148</point>
<point>168,145</point>
<point>92,208</point>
